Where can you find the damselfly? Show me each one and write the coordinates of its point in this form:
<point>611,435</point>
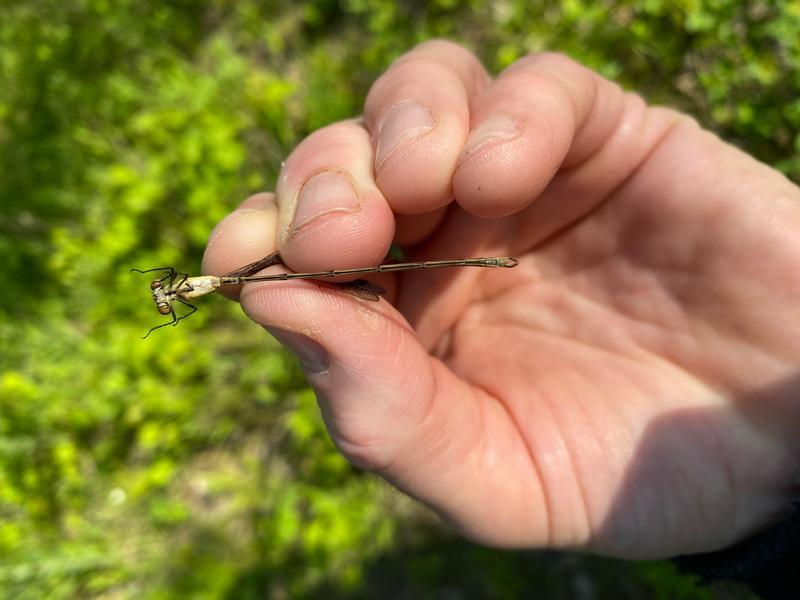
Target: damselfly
<point>179,287</point>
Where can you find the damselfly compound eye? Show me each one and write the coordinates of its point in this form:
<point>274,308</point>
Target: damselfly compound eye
<point>164,308</point>
<point>155,285</point>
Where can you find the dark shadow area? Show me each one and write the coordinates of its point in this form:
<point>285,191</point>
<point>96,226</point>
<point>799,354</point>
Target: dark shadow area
<point>699,458</point>
<point>443,566</point>
<point>697,471</point>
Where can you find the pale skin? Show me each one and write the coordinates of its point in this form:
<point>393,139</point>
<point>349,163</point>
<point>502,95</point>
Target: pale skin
<point>629,389</point>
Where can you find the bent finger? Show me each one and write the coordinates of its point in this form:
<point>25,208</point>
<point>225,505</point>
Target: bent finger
<point>331,213</point>
<point>244,236</point>
<point>418,116</point>
<point>543,113</point>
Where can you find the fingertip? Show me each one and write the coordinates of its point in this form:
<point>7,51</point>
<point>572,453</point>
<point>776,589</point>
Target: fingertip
<point>331,213</point>
<point>432,191</point>
<point>259,201</point>
<point>543,113</point>
<point>512,154</point>
<point>244,236</point>
<point>418,115</point>
<point>415,172</point>
<point>372,377</point>
<point>342,239</point>
<point>507,172</point>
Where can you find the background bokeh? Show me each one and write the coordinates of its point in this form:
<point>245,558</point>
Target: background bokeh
<point>194,464</point>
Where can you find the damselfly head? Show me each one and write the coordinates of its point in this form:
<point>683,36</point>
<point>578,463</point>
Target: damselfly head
<point>164,308</point>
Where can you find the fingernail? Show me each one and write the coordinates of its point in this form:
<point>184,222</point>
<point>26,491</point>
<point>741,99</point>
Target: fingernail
<point>499,126</point>
<point>326,192</point>
<point>313,357</point>
<point>403,122</point>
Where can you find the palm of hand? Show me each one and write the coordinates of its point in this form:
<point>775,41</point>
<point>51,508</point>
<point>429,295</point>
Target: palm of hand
<point>621,375</point>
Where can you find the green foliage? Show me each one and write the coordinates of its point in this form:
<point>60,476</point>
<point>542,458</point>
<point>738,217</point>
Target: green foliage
<point>169,468</point>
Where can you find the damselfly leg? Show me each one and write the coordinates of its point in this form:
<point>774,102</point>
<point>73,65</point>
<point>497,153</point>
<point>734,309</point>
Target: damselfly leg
<point>170,272</point>
<point>182,317</point>
<point>175,318</point>
<point>173,322</point>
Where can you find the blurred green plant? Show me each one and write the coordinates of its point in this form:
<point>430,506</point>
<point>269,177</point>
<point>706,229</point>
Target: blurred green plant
<point>169,468</point>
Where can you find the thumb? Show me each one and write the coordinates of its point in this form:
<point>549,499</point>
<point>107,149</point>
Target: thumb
<point>373,380</point>
<point>392,408</point>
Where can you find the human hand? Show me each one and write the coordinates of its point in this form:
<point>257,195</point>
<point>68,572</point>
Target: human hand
<point>628,389</point>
